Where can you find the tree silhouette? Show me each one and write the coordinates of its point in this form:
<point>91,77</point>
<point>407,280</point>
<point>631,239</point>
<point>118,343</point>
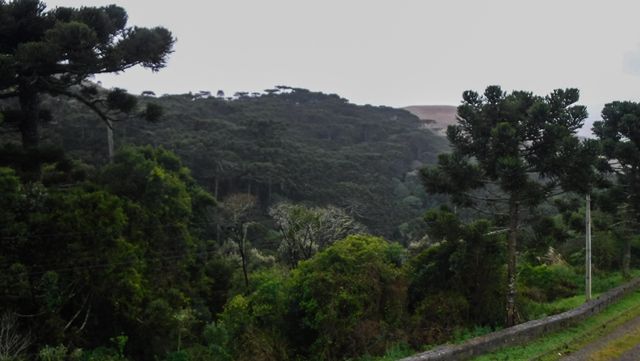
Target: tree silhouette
<point>56,51</point>
<point>619,133</point>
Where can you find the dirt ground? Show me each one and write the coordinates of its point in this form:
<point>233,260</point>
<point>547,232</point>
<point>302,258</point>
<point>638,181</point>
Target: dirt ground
<point>631,327</point>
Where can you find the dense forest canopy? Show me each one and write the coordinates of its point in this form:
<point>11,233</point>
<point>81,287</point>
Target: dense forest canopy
<point>287,144</point>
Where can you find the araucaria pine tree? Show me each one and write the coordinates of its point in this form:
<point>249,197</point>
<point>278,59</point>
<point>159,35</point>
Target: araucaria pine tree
<point>55,52</point>
<point>512,151</point>
<point>619,133</point>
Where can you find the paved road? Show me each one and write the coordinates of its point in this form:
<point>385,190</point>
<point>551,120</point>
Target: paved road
<point>594,351</point>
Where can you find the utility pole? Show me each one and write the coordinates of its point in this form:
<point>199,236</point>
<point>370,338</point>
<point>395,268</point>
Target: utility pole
<point>588,249</point>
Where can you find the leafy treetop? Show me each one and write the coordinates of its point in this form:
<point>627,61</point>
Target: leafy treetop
<point>619,133</point>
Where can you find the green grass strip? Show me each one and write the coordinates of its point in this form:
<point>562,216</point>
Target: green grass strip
<point>557,345</point>
<point>617,347</point>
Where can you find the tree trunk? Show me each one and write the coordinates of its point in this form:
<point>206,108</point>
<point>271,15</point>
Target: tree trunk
<point>587,284</point>
<point>511,262</point>
<point>29,105</point>
<point>110,140</point>
<point>215,188</point>
<point>626,258</point>
<point>243,255</point>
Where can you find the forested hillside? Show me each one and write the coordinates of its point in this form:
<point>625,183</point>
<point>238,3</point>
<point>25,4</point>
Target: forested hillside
<point>286,144</point>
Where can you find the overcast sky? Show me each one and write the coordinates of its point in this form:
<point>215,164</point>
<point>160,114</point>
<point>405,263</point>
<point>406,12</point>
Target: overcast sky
<point>393,53</point>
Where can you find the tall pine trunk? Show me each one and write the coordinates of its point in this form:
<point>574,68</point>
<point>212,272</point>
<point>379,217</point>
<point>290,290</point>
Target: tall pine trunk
<point>244,255</point>
<point>511,262</point>
<point>626,258</point>
<point>29,106</point>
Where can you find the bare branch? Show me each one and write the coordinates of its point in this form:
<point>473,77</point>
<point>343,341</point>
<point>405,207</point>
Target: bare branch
<point>103,115</point>
<point>12,343</point>
<point>76,314</point>
<point>86,317</point>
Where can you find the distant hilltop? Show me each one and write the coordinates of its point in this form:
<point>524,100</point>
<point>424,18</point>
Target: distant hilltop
<point>436,117</point>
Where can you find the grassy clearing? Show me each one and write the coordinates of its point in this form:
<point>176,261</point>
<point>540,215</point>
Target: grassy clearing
<point>558,344</point>
<point>541,310</point>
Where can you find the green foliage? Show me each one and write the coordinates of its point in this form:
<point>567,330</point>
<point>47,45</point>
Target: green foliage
<point>217,338</point>
<point>436,317</point>
<point>48,353</point>
<point>113,256</point>
<point>298,146</point>
<point>511,151</point>
<point>351,297</point>
<point>455,268</point>
<point>510,136</point>
<point>140,248</point>
<point>549,282</point>
<point>62,48</point>
<point>612,230</point>
<point>466,334</point>
<point>102,354</point>
<point>620,142</point>
<point>254,325</point>
<point>12,200</point>
<point>62,353</point>
<point>393,353</point>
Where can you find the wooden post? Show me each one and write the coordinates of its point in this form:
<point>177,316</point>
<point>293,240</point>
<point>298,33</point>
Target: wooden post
<point>588,249</point>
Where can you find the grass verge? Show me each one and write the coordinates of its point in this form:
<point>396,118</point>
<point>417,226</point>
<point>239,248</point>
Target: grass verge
<point>558,344</point>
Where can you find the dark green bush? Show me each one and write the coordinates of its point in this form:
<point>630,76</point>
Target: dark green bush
<point>467,264</point>
<point>437,316</point>
<point>351,298</point>
<point>253,326</point>
<point>548,282</point>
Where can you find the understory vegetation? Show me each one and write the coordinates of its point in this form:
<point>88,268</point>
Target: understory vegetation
<point>135,260</point>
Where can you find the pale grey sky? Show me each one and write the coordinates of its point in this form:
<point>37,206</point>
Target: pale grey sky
<point>393,53</point>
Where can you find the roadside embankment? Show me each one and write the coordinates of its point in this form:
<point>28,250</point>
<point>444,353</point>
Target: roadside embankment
<point>527,331</point>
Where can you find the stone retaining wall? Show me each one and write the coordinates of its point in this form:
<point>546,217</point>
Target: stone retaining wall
<point>524,332</point>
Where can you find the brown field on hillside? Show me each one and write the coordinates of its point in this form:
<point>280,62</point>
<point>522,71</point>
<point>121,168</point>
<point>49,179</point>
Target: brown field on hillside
<point>436,117</point>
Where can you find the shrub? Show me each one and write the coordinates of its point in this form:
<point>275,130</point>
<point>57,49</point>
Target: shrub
<point>467,266</point>
<point>549,282</point>
<point>49,353</point>
<point>437,316</point>
<point>253,326</point>
<point>350,298</point>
